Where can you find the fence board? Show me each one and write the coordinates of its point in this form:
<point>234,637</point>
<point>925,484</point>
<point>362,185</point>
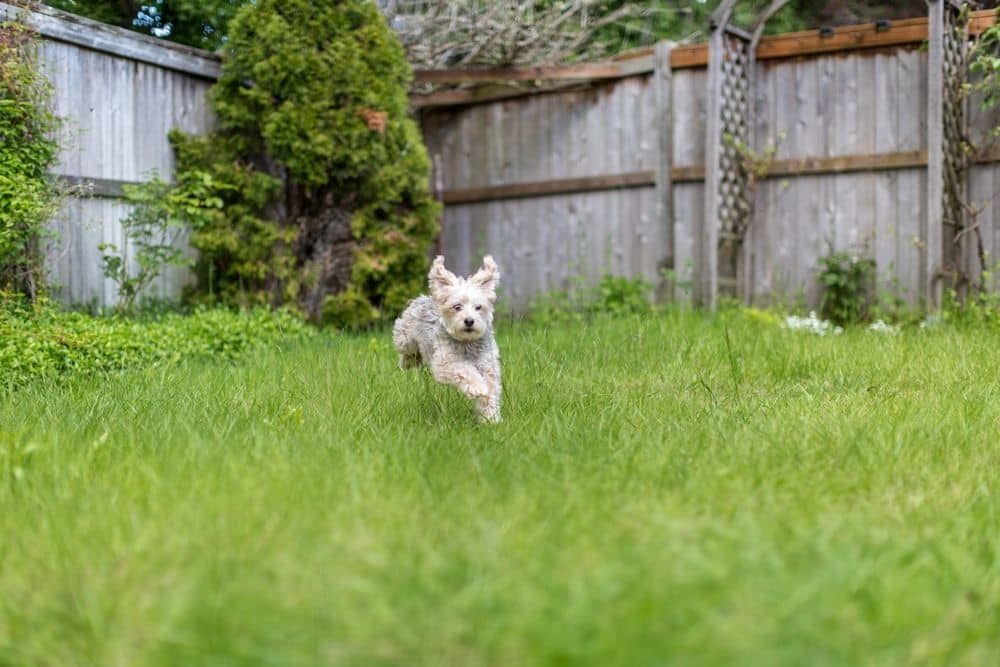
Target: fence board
<point>118,93</point>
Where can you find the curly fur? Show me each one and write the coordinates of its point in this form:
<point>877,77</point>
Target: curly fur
<point>451,332</point>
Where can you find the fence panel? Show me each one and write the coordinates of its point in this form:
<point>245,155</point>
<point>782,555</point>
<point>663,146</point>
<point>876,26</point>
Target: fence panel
<point>118,93</point>
<point>546,243</point>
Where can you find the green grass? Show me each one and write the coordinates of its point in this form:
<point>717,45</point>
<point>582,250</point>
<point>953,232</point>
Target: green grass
<point>653,496</point>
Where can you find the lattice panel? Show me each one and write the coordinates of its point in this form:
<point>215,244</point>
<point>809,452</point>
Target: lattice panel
<point>954,77</point>
<point>734,205</point>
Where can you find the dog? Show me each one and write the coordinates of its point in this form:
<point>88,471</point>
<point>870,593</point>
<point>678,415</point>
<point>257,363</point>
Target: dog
<point>451,332</point>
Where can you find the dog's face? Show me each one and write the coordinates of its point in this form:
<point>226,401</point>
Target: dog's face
<point>465,304</point>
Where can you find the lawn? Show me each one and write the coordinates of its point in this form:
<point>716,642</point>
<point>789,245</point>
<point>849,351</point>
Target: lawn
<point>668,489</point>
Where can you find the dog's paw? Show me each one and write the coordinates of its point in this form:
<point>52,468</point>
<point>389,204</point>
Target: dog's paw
<point>488,411</point>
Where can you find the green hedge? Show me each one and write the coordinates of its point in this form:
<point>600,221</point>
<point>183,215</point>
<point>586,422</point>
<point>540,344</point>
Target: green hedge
<point>44,342</point>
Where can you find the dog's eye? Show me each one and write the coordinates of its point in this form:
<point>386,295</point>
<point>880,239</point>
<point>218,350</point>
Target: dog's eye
<point>479,307</point>
<point>457,307</point>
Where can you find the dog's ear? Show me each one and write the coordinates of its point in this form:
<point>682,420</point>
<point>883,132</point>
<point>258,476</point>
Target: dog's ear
<point>440,278</point>
<point>487,277</point>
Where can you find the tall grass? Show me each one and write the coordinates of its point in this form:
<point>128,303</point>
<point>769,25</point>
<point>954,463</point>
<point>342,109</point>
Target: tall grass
<point>667,489</point>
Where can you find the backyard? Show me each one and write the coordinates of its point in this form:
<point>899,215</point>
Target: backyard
<point>666,488</point>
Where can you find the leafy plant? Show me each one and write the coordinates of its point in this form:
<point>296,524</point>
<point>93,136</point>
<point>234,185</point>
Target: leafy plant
<point>848,281</point>
<point>754,165</point>
<point>984,65</point>
<point>27,150</point>
<point>151,233</point>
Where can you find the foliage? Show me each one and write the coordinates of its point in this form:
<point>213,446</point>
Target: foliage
<point>438,34</point>
<point>225,202</point>
<point>27,150</point>
<point>42,342</point>
<point>151,233</point>
<point>200,23</point>
<point>848,281</point>
<point>754,165</point>
<point>528,32</point>
<point>655,496</point>
<point>978,308</point>
<point>323,177</point>
<point>613,295</point>
<point>468,32</point>
<point>984,65</point>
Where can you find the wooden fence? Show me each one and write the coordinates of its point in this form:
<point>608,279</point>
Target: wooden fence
<point>118,93</point>
<point>567,172</point>
<point>603,168</point>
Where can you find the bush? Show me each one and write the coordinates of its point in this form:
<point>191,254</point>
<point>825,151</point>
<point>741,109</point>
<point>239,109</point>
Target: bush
<point>848,282</point>
<point>38,341</point>
<point>323,177</point>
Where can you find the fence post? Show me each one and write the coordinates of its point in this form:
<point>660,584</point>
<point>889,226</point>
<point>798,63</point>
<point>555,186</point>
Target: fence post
<point>932,246</point>
<point>663,80</point>
<point>706,284</point>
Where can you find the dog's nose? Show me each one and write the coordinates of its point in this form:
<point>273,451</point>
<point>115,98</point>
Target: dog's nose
<point>469,322</point>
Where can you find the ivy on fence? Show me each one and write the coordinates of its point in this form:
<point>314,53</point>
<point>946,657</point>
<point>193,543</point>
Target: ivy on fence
<point>27,150</point>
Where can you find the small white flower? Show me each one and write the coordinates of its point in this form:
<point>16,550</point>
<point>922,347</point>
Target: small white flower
<point>812,324</point>
<point>881,327</point>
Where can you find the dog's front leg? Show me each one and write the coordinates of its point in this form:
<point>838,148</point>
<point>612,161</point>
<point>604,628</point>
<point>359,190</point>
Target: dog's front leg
<point>463,377</point>
<point>489,406</point>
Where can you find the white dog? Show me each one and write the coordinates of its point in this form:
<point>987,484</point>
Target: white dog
<point>451,332</point>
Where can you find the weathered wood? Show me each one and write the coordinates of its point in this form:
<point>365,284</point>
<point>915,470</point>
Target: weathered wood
<point>911,92</point>
<point>887,202</point>
<point>778,169</point>
<point>548,188</point>
<point>707,256</point>
<point>116,111</point>
<point>79,31</point>
<point>869,222</point>
<point>663,121</point>
<point>83,186</point>
<point>932,251</point>
<point>844,140</point>
<point>582,72</point>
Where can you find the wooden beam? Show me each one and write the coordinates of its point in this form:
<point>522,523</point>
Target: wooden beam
<point>842,164</point>
<point>611,69</point>
<point>779,169</point>
<point>83,186</point>
<point>554,187</point>
<point>484,93</point>
<point>72,29</point>
<point>811,166</point>
<point>981,20</point>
